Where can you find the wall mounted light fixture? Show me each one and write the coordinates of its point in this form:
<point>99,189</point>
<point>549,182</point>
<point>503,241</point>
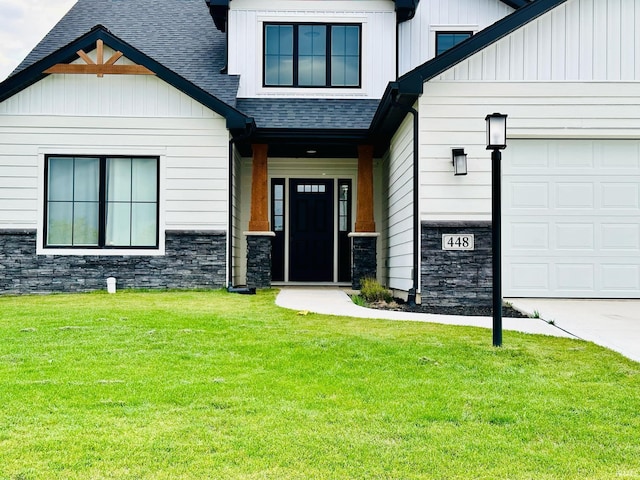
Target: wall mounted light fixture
<point>459,159</point>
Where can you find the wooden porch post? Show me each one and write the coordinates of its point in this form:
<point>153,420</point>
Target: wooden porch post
<point>364,206</point>
<point>259,220</point>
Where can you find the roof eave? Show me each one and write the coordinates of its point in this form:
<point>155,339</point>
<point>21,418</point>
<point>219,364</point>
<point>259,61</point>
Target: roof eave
<point>409,87</point>
<point>34,73</point>
<point>219,10</point>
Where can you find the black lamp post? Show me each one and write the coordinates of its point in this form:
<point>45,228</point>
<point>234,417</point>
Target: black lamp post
<point>496,141</point>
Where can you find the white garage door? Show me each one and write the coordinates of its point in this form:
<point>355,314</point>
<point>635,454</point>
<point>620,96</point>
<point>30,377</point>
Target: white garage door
<point>571,218</point>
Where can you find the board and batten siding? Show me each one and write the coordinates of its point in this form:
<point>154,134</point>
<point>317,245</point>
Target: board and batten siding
<point>115,115</point>
<point>580,40</point>
<point>399,208</point>
<point>246,20</point>
<point>417,37</point>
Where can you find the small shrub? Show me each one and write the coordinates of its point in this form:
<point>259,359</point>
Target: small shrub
<point>358,300</point>
<point>372,291</point>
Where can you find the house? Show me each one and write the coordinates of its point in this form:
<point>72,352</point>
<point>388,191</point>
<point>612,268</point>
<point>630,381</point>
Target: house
<point>212,143</point>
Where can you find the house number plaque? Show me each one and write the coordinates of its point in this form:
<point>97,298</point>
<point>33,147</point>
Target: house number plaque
<point>458,242</point>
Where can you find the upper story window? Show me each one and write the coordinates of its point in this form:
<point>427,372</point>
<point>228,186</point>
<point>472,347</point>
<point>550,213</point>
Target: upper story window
<point>101,202</point>
<point>447,40</point>
<point>312,55</point>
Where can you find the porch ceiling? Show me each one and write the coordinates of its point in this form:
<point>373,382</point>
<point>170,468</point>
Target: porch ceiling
<point>321,144</point>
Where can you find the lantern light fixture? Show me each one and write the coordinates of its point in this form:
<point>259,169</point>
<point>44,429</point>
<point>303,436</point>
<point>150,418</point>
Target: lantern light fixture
<point>459,159</point>
<point>496,131</point>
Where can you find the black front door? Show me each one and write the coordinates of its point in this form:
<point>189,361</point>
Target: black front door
<point>311,231</point>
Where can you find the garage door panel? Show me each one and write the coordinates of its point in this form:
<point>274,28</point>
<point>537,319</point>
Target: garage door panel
<point>620,278</point>
<point>621,237</point>
<point>529,195</point>
<point>575,236</point>
<point>618,155</point>
<point>572,156</point>
<point>574,195</point>
<point>620,195</point>
<point>575,277</point>
<point>528,236</point>
<point>571,221</point>
<point>526,277</point>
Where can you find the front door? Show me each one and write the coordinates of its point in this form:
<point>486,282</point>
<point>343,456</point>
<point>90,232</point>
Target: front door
<point>311,239</point>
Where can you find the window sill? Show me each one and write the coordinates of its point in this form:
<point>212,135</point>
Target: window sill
<point>97,252</point>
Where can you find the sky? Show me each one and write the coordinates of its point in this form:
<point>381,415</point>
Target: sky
<point>23,23</point>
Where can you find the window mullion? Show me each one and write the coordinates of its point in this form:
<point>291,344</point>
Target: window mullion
<point>295,55</point>
<point>102,202</point>
<point>131,203</point>
<point>73,202</point>
<point>329,47</point>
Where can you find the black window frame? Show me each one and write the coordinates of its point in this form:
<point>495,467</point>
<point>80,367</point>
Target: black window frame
<point>469,34</point>
<point>102,203</point>
<point>295,54</point>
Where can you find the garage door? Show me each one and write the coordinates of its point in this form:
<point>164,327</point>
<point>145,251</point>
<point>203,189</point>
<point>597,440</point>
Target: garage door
<point>571,218</point>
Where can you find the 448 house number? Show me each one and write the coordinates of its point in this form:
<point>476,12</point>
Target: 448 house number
<point>458,242</point>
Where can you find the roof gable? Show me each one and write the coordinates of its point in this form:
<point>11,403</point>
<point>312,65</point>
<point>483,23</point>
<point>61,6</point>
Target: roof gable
<point>405,91</point>
<point>70,52</point>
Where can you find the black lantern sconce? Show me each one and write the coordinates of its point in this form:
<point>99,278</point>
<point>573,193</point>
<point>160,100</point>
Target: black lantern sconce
<point>459,159</point>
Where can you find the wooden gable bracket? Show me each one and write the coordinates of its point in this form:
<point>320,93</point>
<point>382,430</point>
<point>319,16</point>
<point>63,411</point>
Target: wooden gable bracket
<point>101,68</point>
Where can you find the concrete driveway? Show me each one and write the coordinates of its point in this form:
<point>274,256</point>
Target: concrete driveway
<point>614,324</point>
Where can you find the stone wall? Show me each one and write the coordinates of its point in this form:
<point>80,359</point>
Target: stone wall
<point>364,259</point>
<point>453,277</point>
<point>193,259</point>
<point>259,261</point>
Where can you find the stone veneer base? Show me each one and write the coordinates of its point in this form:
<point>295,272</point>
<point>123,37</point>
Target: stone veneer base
<point>456,278</point>
<point>364,258</point>
<point>259,259</point>
<point>193,259</point>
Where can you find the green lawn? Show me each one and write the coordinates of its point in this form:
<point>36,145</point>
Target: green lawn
<point>215,385</point>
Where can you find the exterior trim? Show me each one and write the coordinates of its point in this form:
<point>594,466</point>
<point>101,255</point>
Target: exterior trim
<point>410,86</point>
<point>34,73</point>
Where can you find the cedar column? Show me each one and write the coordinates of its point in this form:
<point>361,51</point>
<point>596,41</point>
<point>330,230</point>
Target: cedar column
<point>259,237</point>
<point>364,237</point>
<point>364,205</point>
<point>259,221</point>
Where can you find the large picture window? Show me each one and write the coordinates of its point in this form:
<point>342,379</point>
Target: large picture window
<point>103,202</point>
<point>312,55</point>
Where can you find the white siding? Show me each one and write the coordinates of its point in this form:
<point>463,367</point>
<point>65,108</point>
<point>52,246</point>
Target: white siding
<point>239,242</point>
<point>399,210</point>
<point>452,115</point>
<point>114,115</point>
<point>572,73</point>
<point>416,38</point>
<point>377,17</point>
<point>581,40</point>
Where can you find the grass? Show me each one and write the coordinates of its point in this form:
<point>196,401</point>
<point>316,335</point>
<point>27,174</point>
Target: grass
<point>213,385</point>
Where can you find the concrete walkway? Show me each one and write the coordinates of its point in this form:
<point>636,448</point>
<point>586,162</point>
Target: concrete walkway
<point>613,324</point>
<point>334,301</point>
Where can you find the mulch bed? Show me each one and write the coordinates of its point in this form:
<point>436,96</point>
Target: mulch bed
<point>485,311</point>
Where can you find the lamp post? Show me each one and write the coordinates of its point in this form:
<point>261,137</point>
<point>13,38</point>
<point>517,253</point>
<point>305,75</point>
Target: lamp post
<point>496,141</point>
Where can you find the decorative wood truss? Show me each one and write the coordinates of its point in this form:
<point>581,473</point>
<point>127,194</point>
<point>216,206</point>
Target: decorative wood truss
<point>100,68</point>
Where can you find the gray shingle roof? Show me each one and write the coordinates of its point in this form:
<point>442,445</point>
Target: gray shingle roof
<point>179,34</point>
<point>302,113</point>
